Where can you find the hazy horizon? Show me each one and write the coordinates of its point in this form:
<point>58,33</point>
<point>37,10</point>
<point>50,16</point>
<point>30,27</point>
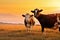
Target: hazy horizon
<point>11,18</point>
<point>11,10</point>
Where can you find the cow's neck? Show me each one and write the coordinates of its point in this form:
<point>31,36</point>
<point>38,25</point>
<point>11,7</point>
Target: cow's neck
<point>39,17</point>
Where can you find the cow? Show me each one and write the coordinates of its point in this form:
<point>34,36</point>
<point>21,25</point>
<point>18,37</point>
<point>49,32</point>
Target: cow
<point>58,20</point>
<point>46,21</point>
<point>28,21</point>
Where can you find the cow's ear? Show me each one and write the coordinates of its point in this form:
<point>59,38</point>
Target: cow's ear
<point>41,10</point>
<point>32,11</point>
<point>23,15</point>
<point>31,15</point>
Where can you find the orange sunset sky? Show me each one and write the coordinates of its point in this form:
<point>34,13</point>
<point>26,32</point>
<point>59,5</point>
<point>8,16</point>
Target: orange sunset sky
<point>11,10</point>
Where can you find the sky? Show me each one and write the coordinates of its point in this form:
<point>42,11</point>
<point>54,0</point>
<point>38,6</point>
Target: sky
<point>11,10</point>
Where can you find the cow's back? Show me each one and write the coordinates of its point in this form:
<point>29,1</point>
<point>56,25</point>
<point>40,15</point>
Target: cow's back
<point>47,20</point>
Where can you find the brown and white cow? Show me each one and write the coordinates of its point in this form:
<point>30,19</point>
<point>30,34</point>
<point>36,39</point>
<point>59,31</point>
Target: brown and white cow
<point>46,21</point>
<point>28,21</point>
<point>58,20</point>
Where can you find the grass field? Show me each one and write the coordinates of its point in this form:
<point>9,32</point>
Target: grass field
<point>18,32</point>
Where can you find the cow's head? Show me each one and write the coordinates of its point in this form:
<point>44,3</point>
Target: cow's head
<point>27,16</point>
<point>36,11</point>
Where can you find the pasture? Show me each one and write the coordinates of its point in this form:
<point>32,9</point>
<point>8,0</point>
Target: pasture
<point>18,32</point>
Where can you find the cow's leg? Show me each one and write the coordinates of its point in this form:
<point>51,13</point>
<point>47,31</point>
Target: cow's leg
<point>42,29</point>
<point>59,27</point>
<point>31,29</point>
<point>27,29</point>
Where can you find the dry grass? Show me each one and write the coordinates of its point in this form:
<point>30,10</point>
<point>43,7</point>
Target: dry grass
<point>24,35</point>
<point>17,34</point>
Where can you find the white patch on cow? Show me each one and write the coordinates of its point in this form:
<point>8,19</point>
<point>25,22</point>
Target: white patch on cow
<point>58,19</point>
<point>58,25</point>
<point>27,18</point>
<point>28,25</point>
<point>55,26</point>
<point>36,12</point>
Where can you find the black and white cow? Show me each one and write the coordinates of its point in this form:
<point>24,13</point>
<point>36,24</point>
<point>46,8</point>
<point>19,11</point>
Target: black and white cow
<point>46,21</point>
<point>28,21</point>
